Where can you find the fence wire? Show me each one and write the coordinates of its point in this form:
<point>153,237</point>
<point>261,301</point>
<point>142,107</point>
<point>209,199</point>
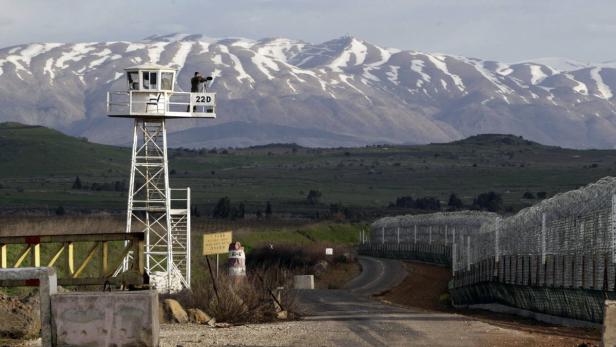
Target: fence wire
<point>567,240</point>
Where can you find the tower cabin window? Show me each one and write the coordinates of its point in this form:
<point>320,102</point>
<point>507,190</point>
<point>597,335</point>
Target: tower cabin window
<point>133,80</point>
<point>166,80</point>
<point>150,81</point>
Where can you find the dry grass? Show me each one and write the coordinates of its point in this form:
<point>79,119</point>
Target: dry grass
<point>248,300</point>
<point>58,225</point>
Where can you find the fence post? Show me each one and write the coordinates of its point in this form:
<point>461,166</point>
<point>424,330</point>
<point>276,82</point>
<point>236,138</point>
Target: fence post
<point>382,235</point>
<point>415,238</point>
<point>430,233</point>
<point>445,233</point>
<point>468,253</point>
<point>496,245</point>
<point>398,234</point>
<point>543,240</point>
<point>613,228</point>
<point>454,263</point>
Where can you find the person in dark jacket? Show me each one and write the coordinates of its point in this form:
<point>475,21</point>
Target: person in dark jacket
<point>196,81</point>
<point>195,86</point>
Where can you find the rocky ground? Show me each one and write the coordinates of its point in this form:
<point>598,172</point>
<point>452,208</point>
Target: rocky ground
<point>18,318</point>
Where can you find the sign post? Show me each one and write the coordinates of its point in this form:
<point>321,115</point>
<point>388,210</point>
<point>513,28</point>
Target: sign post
<point>216,243</point>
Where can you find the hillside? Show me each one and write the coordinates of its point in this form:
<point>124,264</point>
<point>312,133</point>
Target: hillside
<point>39,167</point>
<point>344,91</point>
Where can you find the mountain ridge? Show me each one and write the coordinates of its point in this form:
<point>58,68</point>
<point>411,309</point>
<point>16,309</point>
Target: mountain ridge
<point>345,87</point>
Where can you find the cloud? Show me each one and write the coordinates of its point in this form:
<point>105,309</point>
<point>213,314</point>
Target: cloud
<point>495,29</point>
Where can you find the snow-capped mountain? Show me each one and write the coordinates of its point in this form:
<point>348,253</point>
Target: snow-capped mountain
<point>341,92</point>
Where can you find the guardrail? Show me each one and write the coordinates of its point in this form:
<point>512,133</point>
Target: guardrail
<point>60,252</point>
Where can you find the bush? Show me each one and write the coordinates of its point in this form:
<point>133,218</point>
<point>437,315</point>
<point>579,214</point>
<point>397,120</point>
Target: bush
<point>528,195</point>
<point>454,202</point>
<point>60,211</point>
<point>222,208</point>
<point>313,197</point>
<point>77,183</point>
<point>428,203</point>
<point>489,201</point>
<point>245,301</point>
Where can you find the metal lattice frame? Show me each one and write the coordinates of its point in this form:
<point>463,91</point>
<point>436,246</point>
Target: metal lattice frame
<point>167,230</point>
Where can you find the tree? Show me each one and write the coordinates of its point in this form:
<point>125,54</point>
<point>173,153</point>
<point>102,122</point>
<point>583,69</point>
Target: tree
<point>405,202</point>
<point>241,210</point>
<point>454,202</point>
<point>313,197</point>
<point>194,211</point>
<point>222,208</point>
<point>60,211</point>
<point>77,183</point>
<point>428,203</point>
<point>528,195</point>
<point>268,210</point>
<point>542,195</point>
<point>489,201</point>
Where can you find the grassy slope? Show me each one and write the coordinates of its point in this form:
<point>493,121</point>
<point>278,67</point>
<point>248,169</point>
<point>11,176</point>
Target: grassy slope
<point>39,166</point>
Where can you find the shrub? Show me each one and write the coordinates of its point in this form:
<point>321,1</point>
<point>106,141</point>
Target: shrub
<point>313,197</point>
<point>77,183</point>
<point>246,301</point>
<point>489,201</point>
<point>454,202</point>
<point>222,208</point>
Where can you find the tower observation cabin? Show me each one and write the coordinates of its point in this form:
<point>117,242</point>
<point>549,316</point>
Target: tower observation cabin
<point>154,208</point>
<point>150,93</point>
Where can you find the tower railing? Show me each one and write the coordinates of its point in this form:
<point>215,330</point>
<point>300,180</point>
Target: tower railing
<point>161,103</point>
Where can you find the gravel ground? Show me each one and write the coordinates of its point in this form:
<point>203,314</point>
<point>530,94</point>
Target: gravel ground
<point>350,318</point>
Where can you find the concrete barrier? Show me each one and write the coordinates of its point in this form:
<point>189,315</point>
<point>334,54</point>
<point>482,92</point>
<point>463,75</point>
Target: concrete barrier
<point>609,324</point>
<point>43,277</point>
<point>303,282</point>
<point>106,318</point>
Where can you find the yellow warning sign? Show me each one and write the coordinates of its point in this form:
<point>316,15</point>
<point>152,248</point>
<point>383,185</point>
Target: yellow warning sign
<point>217,243</point>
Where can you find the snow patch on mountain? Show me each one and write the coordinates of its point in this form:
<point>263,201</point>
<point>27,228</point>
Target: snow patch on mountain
<point>155,50</point>
<point>537,74</point>
<point>180,56</point>
<point>604,90</point>
<point>439,62</point>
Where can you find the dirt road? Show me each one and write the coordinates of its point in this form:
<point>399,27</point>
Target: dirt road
<point>349,317</point>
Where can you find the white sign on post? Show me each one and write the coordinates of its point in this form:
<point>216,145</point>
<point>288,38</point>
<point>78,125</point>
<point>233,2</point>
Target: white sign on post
<point>329,251</point>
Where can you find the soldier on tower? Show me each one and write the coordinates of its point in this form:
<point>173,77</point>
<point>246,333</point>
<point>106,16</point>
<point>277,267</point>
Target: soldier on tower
<point>196,83</point>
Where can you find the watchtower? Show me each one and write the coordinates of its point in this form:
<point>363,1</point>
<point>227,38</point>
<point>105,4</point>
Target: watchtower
<point>161,213</point>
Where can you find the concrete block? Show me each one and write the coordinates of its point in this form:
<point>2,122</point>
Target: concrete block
<point>609,324</point>
<point>47,280</point>
<point>106,318</point>
<point>303,282</point>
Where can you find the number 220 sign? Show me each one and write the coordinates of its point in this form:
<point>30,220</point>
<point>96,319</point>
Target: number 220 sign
<point>202,99</point>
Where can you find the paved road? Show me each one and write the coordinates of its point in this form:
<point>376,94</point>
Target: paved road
<point>349,317</point>
<point>377,275</point>
<point>354,319</point>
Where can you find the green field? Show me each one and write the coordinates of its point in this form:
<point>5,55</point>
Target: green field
<point>39,166</point>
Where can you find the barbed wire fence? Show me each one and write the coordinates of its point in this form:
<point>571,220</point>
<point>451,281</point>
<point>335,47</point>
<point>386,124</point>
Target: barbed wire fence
<point>567,241</point>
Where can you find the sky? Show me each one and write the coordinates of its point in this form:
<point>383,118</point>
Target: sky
<point>508,31</point>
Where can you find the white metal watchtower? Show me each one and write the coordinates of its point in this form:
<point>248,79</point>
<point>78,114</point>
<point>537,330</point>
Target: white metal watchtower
<point>155,209</point>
